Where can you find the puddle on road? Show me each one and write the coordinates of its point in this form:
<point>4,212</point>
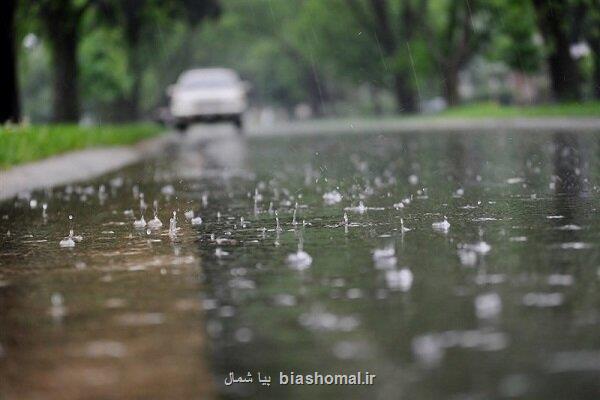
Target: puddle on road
<point>449,266</point>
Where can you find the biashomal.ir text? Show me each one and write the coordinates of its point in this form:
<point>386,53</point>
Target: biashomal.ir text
<point>316,378</point>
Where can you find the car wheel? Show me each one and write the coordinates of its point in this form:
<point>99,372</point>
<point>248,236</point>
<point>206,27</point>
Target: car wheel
<point>181,127</point>
<point>239,124</point>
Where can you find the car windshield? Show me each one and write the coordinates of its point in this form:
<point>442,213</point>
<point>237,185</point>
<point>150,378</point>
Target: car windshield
<point>207,80</point>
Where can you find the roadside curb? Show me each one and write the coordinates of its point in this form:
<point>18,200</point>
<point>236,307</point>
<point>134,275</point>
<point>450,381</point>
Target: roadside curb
<point>75,166</point>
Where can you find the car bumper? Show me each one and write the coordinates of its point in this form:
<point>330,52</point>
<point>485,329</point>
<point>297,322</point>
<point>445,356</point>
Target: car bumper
<point>207,118</point>
<point>207,111</point>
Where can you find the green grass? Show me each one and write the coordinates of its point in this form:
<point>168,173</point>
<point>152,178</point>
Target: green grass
<point>494,110</point>
<point>21,144</point>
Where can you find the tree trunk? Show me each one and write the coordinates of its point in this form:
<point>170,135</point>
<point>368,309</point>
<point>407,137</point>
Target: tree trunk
<point>595,47</point>
<point>451,86</point>
<point>405,95</point>
<point>403,90</point>
<point>63,29</point>
<point>132,103</point>
<point>564,72</point>
<point>316,95</point>
<point>133,23</point>
<point>9,97</point>
<point>66,74</point>
<point>564,75</point>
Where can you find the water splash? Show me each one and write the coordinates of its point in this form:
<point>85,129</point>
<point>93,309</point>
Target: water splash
<point>70,240</point>
<point>257,196</point>
<point>361,209</point>
<point>221,253</point>
<point>534,299</point>
<point>300,260</point>
<point>102,194</point>
<point>168,190</point>
<point>143,204</point>
<point>398,205</point>
<point>488,305</point>
<point>294,222</point>
<point>481,247</point>
<point>402,227</point>
<point>173,225</point>
<point>277,243</point>
<point>257,199</point>
<point>401,280</point>
<point>278,227</point>
<point>332,197</point>
<point>430,348</point>
<point>443,226</point>
<point>386,252</point>
<point>155,223</point>
<point>385,258</point>
<point>57,308</point>
<point>139,223</point>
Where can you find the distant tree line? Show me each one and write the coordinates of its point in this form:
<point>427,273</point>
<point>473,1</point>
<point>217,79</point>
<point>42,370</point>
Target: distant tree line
<point>115,57</point>
<point>62,24</point>
<point>436,39</point>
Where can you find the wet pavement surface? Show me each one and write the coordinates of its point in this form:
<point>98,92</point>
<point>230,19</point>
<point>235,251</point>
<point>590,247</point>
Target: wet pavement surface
<point>452,266</point>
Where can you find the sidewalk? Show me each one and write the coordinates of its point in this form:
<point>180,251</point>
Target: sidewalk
<point>75,166</point>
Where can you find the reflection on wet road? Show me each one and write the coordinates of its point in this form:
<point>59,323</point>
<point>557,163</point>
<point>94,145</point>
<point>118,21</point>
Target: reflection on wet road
<point>449,265</point>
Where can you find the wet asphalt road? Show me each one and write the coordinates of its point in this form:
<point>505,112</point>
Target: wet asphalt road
<point>502,303</point>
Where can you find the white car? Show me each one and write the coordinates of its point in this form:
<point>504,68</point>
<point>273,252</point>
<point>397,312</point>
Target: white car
<point>208,95</point>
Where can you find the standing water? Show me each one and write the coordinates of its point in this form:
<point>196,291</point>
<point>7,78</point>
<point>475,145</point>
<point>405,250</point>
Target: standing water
<point>492,293</point>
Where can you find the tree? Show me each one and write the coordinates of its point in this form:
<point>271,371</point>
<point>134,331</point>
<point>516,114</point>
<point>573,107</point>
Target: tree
<point>138,18</point>
<point>456,30</point>
<point>553,23</point>
<point>61,21</point>
<point>9,99</point>
<point>345,48</point>
<point>268,43</point>
<point>513,36</point>
<point>591,9</point>
<point>371,42</point>
<point>391,44</point>
<point>393,29</point>
<point>64,24</point>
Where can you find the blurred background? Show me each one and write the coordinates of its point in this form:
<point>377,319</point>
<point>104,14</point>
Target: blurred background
<point>101,61</point>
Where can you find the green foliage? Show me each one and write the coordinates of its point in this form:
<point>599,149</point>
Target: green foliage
<point>297,51</point>
<point>267,43</point>
<point>20,144</point>
<point>35,84</point>
<point>344,45</point>
<point>513,36</point>
<point>105,77</point>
